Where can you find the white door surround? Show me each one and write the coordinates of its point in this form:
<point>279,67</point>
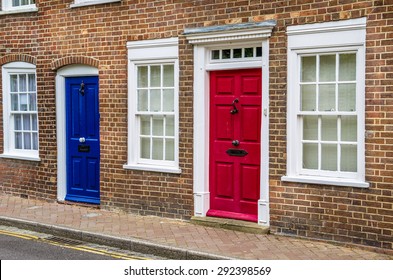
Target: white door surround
<point>64,72</point>
<point>205,40</point>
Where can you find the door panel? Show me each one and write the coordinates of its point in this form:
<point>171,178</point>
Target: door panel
<point>235,114</point>
<point>83,147</point>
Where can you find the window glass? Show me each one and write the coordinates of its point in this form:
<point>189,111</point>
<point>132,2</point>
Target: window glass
<point>156,100</point>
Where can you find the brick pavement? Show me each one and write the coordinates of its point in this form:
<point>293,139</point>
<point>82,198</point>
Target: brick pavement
<point>178,234</point>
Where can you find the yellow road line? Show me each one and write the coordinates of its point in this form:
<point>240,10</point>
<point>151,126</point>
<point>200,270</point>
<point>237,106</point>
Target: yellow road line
<point>20,235</point>
<point>77,247</point>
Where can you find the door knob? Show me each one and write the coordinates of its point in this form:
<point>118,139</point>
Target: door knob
<point>82,140</point>
<point>235,143</point>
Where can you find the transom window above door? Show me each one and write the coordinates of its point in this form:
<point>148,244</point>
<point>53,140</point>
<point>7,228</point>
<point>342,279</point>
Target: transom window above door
<point>236,53</point>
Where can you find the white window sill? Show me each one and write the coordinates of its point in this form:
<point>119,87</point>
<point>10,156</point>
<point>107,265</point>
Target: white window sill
<point>154,168</point>
<point>95,2</point>
<point>19,11</point>
<point>326,181</point>
<point>20,157</point>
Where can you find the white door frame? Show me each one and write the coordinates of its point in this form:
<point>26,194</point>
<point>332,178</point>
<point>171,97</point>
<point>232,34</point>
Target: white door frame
<point>204,40</point>
<point>76,70</point>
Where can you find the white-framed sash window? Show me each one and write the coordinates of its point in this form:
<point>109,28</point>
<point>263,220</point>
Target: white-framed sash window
<point>18,5</point>
<point>326,97</point>
<point>153,137</point>
<point>20,111</point>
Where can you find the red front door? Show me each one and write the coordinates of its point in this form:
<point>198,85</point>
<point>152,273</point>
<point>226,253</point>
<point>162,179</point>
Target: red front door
<point>235,133</point>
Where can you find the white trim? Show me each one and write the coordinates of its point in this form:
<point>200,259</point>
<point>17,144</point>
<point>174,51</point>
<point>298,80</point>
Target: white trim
<point>9,150</point>
<point>20,157</point>
<point>326,181</point>
<point>314,39</point>
<point>204,42</point>
<point>83,3</point>
<point>67,71</point>
<point>150,52</point>
<point>154,168</point>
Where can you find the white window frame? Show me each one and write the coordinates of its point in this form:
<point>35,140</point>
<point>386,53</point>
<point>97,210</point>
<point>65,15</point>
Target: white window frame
<point>141,53</point>
<point>82,3</point>
<point>9,150</point>
<point>314,39</point>
<point>6,7</point>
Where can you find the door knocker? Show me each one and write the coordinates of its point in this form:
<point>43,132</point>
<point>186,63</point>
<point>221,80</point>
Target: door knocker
<point>234,110</point>
<point>82,89</point>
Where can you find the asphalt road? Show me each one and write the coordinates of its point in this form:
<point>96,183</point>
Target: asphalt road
<point>16,244</point>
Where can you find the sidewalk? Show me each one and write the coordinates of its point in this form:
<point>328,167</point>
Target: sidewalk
<point>166,237</point>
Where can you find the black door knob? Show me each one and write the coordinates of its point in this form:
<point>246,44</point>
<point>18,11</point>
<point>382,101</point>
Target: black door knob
<point>235,143</point>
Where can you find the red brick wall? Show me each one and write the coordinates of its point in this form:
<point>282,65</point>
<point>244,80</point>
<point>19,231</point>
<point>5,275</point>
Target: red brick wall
<point>99,33</point>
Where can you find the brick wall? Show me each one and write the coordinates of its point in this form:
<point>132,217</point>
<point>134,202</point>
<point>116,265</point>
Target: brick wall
<point>99,33</point>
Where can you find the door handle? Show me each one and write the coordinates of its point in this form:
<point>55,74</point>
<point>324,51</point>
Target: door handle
<point>235,143</point>
<point>82,140</point>
<point>234,110</point>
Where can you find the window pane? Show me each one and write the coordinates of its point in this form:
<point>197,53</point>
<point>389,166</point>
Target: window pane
<point>226,54</point>
<point>169,76</point>
<point>168,100</point>
<point>145,125</point>
<point>170,126</point>
<point>23,102</point>
<point>216,54</point>
<point>309,69</point>
<point>237,53</point>
<point>329,128</point>
<point>34,124</point>
<point>14,102</point>
<point>259,51</point>
<point>329,157</point>
<point>18,122</point>
<point>249,52</point>
<point>145,148</point>
<point>158,126</point>
<point>347,97</point>
<point>14,83</point>
<point>18,140</point>
<point>347,69</point>
<point>310,156</point>
<point>327,98</point>
<point>155,100</point>
<point>310,128</point>
<point>142,100</point>
<point>349,158</point>
<point>155,76</point>
<point>349,128</point>
<point>33,102</point>
<point>26,122</point>
<point>327,68</point>
<point>27,140</point>
<point>158,149</point>
<point>35,141</point>
<point>309,98</point>
<point>169,149</point>
<point>32,85</point>
<point>22,83</point>
<point>142,77</point>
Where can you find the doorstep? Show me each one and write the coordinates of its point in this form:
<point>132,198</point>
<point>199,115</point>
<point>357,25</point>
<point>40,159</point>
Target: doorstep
<point>236,225</point>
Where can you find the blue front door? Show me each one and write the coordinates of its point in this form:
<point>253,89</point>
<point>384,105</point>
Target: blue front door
<point>83,141</point>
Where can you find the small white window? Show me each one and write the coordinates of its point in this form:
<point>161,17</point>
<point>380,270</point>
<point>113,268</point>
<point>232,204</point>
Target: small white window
<point>18,5</point>
<point>20,113</point>
<point>153,105</point>
<point>326,97</point>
